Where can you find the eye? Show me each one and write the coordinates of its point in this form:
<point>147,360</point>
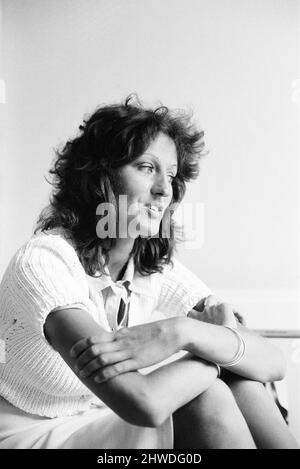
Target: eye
<point>171,177</point>
<point>148,168</point>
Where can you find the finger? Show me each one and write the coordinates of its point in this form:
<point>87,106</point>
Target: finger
<point>225,308</point>
<point>212,300</point>
<point>226,311</point>
<point>95,351</point>
<point>83,344</point>
<point>103,360</point>
<point>111,371</point>
<point>194,314</point>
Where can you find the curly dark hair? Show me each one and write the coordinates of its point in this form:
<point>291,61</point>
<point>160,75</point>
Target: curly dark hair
<point>84,174</point>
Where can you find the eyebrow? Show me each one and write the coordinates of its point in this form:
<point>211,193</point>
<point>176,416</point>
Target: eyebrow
<point>157,159</point>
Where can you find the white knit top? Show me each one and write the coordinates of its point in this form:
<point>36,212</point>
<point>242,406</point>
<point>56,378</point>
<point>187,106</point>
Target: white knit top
<point>45,273</point>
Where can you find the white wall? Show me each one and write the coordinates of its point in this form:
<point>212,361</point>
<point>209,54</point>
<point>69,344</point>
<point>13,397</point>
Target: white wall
<point>235,62</point>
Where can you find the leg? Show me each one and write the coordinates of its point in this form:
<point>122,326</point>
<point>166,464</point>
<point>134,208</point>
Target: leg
<point>212,421</point>
<point>264,420</point>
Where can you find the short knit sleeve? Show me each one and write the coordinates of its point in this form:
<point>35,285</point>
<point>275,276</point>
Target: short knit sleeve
<point>47,274</point>
<point>180,290</point>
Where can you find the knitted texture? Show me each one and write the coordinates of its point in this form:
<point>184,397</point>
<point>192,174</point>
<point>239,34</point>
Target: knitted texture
<point>45,274</point>
<point>180,290</point>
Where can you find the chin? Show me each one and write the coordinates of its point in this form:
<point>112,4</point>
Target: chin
<point>144,227</point>
<point>150,231</point>
<point>145,230</point>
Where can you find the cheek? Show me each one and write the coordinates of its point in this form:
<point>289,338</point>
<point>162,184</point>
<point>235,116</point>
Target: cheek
<point>136,191</point>
<point>131,185</point>
<point>135,197</point>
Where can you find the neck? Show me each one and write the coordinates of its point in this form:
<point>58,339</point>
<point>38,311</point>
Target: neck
<point>118,256</point>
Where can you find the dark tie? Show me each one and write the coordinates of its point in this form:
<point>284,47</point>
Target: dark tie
<point>121,312</point>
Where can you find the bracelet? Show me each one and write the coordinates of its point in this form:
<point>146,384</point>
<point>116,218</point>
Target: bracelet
<point>219,369</point>
<point>240,352</point>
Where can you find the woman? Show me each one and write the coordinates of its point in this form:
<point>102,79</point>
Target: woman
<point>110,341</point>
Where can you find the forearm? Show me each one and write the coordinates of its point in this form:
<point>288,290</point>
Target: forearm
<point>148,400</point>
<point>261,362</point>
<point>173,385</point>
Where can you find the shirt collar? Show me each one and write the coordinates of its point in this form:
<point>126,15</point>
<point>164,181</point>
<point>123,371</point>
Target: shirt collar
<point>136,282</point>
<point>132,279</point>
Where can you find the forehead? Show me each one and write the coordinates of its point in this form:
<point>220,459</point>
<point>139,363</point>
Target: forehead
<point>163,148</point>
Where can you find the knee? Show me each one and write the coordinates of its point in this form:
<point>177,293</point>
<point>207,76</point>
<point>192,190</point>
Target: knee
<point>239,385</point>
<point>217,403</point>
<point>220,401</point>
<point>215,413</point>
<point>219,394</point>
<point>221,415</point>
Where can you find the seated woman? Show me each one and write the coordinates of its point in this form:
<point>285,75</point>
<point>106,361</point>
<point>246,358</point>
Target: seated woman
<point>110,341</point>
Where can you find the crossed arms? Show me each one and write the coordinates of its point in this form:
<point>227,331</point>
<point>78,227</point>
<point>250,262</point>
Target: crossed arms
<point>109,362</point>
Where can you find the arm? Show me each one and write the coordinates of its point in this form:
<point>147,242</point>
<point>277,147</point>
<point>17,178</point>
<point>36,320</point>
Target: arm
<point>262,361</point>
<point>143,400</point>
<point>198,334</point>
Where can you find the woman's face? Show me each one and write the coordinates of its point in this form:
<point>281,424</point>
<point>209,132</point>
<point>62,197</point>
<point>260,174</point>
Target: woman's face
<point>147,183</point>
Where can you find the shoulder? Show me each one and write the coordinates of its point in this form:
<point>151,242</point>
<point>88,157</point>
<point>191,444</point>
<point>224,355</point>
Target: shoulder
<point>45,273</point>
<point>46,247</point>
<point>180,288</point>
<point>45,257</point>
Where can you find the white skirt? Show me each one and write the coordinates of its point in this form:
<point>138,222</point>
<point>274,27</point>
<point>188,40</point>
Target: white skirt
<point>96,428</point>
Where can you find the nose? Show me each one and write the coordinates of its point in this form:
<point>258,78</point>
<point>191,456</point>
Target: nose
<point>161,185</point>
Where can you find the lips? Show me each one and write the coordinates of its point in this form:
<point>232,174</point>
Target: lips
<point>154,210</point>
<point>154,207</point>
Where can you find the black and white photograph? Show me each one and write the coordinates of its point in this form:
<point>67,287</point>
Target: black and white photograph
<point>150,227</point>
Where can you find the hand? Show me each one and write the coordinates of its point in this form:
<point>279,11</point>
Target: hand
<point>214,312</point>
<point>132,348</point>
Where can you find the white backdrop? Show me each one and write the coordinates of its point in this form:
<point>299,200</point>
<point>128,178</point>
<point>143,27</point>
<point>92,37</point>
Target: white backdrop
<point>234,62</point>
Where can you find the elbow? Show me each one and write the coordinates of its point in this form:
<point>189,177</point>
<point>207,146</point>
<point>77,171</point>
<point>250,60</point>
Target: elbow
<point>278,372</point>
<point>144,412</point>
<point>146,419</point>
<point>149,416</point>
<point>281,369</point>
<point>155,416</point>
